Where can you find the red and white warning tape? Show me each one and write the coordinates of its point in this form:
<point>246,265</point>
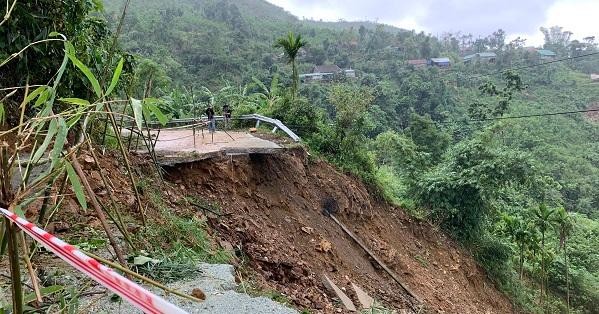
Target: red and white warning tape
<point>128,290</point>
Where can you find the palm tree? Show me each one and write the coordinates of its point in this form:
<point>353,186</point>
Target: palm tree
<point>519,233</point>
<point>543,219</point>
<point>563,224</point>
<point>291,45</point>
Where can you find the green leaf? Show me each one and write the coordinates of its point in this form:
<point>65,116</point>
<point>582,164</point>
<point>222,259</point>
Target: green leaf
<point>137,112</point>
<point>163,119</point>
<point>141,260</point>
<point>2,114</point>
<point>76,184</point>
<point>54,34</point>
<point>61,138</point>
<point>19,211</point>
<point>83,68</point>
<point>46,291</point>
<point>42,149</point>
<point>63,66</point>
<point>34,94</point>
<point>45,94</point>
<point>115,76</point>
<point>74,119</point>
<point>75,101</point>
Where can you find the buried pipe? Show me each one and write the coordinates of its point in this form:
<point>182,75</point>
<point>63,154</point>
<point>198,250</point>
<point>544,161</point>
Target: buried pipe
<point>328,210</point>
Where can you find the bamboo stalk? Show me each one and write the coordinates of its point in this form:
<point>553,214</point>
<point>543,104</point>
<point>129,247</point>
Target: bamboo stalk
<point>15,271</point>
<point>143,278</point>
<point>11,232</point>
<point>30,270</point>
<point>98,210</point>
<point>119,221</point>
<point>127,165</point>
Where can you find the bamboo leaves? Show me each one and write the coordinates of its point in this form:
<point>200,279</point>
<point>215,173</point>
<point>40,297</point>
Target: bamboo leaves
<point>115,77</point>
<point>76,184</point>
<point>61,138</point>
<point>83,68</point>
<point>151,108</point>
<point>75,101</point>
<point>137,112</point>
<point>52,128</point>
<point>145,110</point>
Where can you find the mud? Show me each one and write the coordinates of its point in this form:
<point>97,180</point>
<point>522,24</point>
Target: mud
<point>272,208</point>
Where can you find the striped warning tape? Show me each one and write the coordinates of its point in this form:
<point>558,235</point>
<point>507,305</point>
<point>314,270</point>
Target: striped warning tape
<point>128,290</point>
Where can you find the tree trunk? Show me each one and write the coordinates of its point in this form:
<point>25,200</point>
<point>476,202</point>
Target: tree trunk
<point>295,78</point>
<point>567,276</point>
<point>542,270</point>
<point>521,261</point>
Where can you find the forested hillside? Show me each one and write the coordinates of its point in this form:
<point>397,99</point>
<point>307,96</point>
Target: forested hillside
<point>439,141</point>
<point>502,154</point>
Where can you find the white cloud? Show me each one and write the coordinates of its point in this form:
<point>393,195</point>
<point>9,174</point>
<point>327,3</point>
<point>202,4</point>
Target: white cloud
<point>578,16</point>
<point>479,17</point>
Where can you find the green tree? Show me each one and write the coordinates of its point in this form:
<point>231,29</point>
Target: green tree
<point>291,45</point>
<point>543,220</point>
<point>563,224</point>
<point>501,97</point>
<point>518,230</point>
<point>461,191</point>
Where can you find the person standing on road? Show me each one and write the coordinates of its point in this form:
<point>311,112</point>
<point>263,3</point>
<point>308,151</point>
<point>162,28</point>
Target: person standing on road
<point>211,120</point>
<point>227,115</point>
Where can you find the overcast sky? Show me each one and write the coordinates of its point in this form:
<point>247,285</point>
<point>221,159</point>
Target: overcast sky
<point>479,17</point>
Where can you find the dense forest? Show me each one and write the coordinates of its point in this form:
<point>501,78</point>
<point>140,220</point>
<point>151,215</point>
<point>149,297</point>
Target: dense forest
<point>501,155</point>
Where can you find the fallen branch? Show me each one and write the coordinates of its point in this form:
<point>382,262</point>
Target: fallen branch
<point>30,270</point>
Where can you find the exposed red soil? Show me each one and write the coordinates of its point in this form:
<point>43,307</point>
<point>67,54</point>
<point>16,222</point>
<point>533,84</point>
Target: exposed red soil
<point>274,207</point>
<point>274,216</point>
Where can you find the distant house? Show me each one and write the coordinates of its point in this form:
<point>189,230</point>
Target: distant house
<point>418,63</point>
<point>327,73</point>
<point>331,68</point>
<point>440,62</point>
<point>546,54</point>
<point>349,73</point>
<point>487,57</point>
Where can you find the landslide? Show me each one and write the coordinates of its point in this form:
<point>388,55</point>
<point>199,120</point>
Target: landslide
<point>271,214</point>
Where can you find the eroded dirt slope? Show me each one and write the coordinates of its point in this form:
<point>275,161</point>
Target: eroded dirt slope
<point>273,207</point>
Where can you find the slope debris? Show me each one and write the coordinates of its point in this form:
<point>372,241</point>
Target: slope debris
<point>271,216</point>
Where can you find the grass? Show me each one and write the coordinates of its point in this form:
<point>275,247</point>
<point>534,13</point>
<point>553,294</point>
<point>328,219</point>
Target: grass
<point>423,262</point>
<point>179,242</point>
